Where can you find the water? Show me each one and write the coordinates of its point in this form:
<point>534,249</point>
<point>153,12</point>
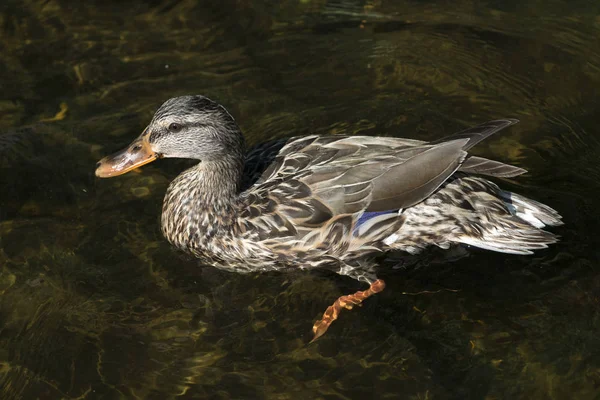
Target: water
<point>94,303</point>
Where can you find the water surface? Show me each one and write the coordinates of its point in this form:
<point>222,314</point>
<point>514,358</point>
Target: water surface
<point>95,304</point>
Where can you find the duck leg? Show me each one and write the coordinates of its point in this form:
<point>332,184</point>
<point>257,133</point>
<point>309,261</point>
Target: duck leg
<point>347,302</point>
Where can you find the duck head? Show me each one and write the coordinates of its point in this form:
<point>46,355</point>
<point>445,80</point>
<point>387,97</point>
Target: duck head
<point>193,127</point>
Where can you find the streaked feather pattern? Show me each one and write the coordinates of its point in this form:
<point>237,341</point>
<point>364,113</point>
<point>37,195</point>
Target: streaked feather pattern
<point>334,201</point>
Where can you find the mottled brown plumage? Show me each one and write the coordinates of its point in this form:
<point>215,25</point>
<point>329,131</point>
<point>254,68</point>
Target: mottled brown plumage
<point>328,201</point>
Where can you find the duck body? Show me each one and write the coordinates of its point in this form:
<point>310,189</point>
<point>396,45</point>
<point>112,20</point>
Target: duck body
<point>331,202</point>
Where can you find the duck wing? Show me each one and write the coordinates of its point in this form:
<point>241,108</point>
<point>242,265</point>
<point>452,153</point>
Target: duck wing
<point>314,179</point>
<point>260,157</point>
<point>479,165</point>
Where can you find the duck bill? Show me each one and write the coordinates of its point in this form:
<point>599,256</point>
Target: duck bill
<point>134,156</point>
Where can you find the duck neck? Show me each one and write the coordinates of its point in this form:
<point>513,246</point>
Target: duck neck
<point>200,202</point>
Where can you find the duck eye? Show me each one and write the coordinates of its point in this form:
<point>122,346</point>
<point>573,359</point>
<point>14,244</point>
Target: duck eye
<point>174,127</point>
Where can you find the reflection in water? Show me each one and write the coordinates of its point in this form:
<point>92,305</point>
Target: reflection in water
<point>95,304</point>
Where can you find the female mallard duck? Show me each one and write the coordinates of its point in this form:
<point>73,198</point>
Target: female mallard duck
<point>327,202</point>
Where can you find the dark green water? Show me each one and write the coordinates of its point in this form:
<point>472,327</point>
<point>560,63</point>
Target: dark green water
<point>95,304</point>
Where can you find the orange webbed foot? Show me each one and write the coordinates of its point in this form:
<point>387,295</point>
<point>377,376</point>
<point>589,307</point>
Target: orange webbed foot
<point>347,302</point>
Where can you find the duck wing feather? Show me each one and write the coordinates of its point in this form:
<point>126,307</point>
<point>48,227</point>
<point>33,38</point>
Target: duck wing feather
<point>314,179</point>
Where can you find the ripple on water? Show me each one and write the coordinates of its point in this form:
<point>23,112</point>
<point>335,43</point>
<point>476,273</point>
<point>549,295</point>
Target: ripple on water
<point>94,303</point>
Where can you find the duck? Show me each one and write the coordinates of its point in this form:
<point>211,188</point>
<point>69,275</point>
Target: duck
<point>333,202</point>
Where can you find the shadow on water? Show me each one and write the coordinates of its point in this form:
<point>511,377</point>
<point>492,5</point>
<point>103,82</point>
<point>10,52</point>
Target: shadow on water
<point>95,304</point>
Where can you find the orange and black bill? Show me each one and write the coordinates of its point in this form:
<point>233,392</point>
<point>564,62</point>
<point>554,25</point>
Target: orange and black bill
<point>135,155</point>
